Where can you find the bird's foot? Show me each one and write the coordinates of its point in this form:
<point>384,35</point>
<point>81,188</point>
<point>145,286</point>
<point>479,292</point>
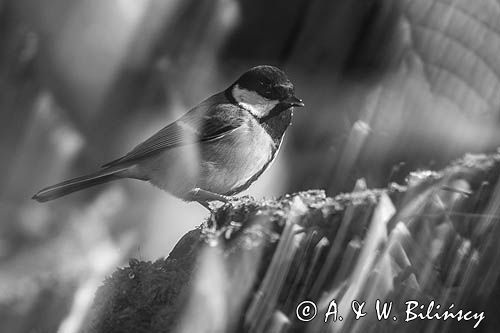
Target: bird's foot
<point>207,198</point>
<point>199,194</point>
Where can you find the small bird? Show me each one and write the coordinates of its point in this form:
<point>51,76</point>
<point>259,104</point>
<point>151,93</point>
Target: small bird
<point>215,150</point>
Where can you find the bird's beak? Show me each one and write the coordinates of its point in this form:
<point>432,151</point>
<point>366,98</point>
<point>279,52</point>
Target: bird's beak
<point>293,101</point>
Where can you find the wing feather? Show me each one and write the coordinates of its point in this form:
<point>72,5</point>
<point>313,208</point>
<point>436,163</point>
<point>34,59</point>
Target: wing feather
<point>210,120</point>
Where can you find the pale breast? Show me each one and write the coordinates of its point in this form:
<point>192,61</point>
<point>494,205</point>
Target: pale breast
<point>230,164</point>
<point>225,165</point>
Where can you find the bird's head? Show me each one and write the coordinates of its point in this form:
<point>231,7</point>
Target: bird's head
<point>260,89</point>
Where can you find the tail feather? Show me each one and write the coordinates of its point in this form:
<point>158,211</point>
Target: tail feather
<point>76,184</point>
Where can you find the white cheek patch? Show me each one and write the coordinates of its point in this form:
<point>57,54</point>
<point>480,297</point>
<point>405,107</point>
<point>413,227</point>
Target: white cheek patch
<point>249,100</point>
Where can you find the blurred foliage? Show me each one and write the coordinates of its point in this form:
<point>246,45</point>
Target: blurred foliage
<point>390,86</point>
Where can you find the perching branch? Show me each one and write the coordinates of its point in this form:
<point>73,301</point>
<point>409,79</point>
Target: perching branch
<point>436,238</point>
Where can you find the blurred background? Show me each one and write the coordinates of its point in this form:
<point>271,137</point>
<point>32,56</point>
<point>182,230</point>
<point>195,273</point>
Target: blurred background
<point>389,85</point>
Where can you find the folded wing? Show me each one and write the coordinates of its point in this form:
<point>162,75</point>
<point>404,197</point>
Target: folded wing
<point>210,120</point>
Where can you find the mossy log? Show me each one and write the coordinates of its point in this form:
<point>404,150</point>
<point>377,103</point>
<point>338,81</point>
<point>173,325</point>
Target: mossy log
<point>253,261</point>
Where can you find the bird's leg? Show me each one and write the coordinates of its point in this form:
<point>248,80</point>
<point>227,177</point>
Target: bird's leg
<point>203,197</point>
<point>200,194</point>
<point>205,204</point>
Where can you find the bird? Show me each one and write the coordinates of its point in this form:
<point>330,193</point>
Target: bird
<point>214,151</point>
